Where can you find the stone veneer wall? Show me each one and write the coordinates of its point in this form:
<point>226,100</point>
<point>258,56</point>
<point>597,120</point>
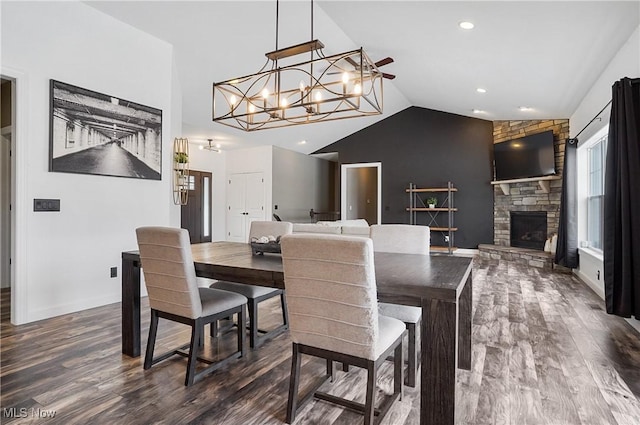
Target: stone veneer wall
<point>528,196</point>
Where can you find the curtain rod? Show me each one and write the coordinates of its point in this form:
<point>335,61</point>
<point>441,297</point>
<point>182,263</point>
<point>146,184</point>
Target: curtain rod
<point>593,119</point>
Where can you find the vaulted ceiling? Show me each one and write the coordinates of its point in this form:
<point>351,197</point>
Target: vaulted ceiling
<point>540,54</point>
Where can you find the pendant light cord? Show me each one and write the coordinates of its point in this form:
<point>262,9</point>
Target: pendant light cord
<point>277,16</point>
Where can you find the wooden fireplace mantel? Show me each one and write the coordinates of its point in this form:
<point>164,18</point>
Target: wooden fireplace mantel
<point>542,181</point>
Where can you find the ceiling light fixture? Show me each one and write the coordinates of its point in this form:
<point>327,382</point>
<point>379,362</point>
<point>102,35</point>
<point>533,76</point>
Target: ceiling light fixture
<point>465,25</point>
<point>210,147</point>
<point>525,108</point>
<point>481,90</point>
<point>477,111</point>
<point>322,88</point>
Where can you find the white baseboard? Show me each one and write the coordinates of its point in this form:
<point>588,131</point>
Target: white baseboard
<point>595,286</point>
<point>61,309</point>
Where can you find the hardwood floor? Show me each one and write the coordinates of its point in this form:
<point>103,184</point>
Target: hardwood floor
<point>544,352</point>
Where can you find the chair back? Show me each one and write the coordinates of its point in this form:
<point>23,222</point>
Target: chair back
<point>269,228</point>
<point>400,238</point>
<point>331,292</point>
<point>169,273</point>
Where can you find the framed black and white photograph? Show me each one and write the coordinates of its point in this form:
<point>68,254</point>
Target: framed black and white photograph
<point>94,133</point>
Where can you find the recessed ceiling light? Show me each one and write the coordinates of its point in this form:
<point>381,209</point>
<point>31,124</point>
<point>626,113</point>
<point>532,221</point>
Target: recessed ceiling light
<point>525,108</point>
<point>302,142</point>
<point>477,111</point>
<point>465,25</point>
<point>481,90</point>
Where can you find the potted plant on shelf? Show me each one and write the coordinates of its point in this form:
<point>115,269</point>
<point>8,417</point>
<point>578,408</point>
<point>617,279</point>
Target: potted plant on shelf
<point>181,159</point>
<point>432,202</point>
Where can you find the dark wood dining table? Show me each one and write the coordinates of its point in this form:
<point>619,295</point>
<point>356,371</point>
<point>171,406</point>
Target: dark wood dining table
<point>441,285</point>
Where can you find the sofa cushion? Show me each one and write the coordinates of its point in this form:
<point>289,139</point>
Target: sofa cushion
<point>355,230</point>
<point>314,228</point>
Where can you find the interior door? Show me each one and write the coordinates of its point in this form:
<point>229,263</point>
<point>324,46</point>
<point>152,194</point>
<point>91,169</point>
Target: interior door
<point>196,214</point>
<point>245,197</point>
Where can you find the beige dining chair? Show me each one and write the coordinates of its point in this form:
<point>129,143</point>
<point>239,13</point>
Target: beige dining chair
<point>333,314</point>
<point>256,294</point>
<point>170,278</point>
<point>404,239</point>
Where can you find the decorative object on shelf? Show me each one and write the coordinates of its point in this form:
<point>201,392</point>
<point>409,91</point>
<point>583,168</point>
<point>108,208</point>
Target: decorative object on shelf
<point>322,88</point>
<point>180,171</point>
<point>428,205</point>
<point>266,244</point>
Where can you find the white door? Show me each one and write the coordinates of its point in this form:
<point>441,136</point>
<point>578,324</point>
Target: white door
<point>245,194</point>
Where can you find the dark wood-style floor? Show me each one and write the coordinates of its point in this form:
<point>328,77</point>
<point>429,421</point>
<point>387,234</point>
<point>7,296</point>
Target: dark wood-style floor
<point>544,352</point>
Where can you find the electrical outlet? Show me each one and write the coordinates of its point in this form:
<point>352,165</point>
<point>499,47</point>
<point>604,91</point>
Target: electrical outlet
<point>46,205</point>
<point>114,272</point>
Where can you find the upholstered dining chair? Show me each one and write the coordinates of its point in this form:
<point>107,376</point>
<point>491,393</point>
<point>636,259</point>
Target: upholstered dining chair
<point>333,314</point>
<point>406,239</point>
<point>256,294</point>
<point>170,279</point>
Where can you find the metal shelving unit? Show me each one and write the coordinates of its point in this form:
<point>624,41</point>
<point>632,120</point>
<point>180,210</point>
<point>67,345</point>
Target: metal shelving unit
<point>446,205</point>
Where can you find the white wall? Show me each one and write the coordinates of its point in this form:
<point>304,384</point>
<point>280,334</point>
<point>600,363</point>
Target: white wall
<point>65,256</point>
<point>300,182</point>
<point>626,63</point>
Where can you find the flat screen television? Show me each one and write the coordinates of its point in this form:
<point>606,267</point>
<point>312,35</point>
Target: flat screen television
<point>529,156</point>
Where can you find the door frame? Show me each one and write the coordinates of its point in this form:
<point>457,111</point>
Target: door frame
<point>19,192</point>
<point>343,186</point>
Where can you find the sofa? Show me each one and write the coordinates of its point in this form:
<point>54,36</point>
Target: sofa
<point>358,227</point>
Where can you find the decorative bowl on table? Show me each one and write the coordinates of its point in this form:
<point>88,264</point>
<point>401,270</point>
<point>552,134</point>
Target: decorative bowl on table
<point>266,244</point>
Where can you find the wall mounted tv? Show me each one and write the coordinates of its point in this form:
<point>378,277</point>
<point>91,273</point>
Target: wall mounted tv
<point>529,156</point>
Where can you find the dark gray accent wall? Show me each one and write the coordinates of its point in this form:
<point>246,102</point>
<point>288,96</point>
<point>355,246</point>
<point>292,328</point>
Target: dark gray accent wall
<point>430,148</point>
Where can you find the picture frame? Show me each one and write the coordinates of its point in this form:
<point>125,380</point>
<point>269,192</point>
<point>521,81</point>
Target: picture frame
<point>99,134</point>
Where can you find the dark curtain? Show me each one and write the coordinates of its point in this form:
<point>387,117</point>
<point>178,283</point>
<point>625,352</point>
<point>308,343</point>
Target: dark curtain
<point>621,243</point>
<point>567,247</point>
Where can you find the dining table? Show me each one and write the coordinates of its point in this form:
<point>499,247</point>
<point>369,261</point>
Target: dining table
<point>440,284</point>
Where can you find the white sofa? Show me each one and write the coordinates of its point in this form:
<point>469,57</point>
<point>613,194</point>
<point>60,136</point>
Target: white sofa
<point>358,227</point>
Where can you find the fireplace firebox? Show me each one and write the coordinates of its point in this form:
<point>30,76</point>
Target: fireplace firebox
<point>528,229</point>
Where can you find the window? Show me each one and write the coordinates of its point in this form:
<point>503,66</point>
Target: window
<point>595,194</point>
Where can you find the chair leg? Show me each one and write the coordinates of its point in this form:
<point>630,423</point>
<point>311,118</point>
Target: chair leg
<point>369,410</point>
<point>330,370</point>
<point>412,354</point>
<point>214,329</point>
<point>285,312</point>
<point>242,318</point>
<point>294,382</point>
<point>398,371</point>
<point>151,342</point>
<point>196,329</point>
<point>253,323</point>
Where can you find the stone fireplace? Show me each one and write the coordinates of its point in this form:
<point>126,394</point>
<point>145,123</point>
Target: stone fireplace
<point>527,198</point>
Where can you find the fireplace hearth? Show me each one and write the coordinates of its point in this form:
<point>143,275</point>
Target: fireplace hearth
<point>528,229</point>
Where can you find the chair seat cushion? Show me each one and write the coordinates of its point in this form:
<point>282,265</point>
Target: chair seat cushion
<point>389,330</point>
<point>406,313</point>
<point>216,301</point>
<point>249,291</point>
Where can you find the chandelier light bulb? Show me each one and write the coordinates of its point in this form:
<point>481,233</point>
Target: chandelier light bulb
<point>345,77</point>
<point>233,100</point>
<point>358,89</point>
<point>317,96</point>
<point>265,93</point>
<point>284,103</point>
<point>302,86</point>
<point>251,108</point>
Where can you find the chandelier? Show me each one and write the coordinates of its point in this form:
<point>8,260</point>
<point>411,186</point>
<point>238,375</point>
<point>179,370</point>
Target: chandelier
<point>288,91</point>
